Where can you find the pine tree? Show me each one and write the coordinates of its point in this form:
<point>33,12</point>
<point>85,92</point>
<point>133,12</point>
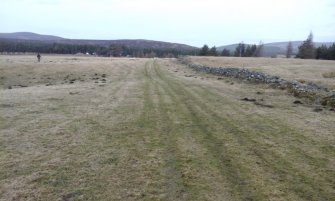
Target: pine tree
<point>259,49</point>
<point>253,50</point>
<point>248,52</point>
<point>289,50</point>
<point>204,50</point>
<point>326,52</point>
<point>240,50</point>
<point>306,49</point>
<point>322,52</point>
<point>213,52</point>
<point>332,52</point>
<point>225,52</point>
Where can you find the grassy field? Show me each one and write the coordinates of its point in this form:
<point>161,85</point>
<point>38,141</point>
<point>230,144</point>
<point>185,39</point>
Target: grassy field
<point>87,128</point>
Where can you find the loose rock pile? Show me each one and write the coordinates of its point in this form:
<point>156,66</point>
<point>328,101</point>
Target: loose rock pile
<point>319,94</point>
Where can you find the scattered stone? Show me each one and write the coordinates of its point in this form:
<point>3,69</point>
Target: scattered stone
<point>249,99</point>
<point>6,105</point>
<point>258,77</point>
<point>74,93</point>
<point>69,197</point>
<point>16,86</point>
<point>103,75</point>
<point>317,109</point>
<point>258,92</point>
<point>263,105</point>
<point>297,102</point>
<point>319,94</point>
<point>232,83</point>
<point>104,80</point>
<point>329,100</point>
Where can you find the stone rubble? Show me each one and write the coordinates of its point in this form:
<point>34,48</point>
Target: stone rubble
<point>320,94</point>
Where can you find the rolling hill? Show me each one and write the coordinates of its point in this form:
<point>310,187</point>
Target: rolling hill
<point>30,36</point>
<point>270,49</point>
<point>136,43</point>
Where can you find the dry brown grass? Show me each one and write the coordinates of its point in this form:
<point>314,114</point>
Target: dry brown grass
<point>291,69</point>
<point>329,75</point>
<point>154,130</point>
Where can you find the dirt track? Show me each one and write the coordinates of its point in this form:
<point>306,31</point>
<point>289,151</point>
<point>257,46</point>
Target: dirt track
<point>155,130</point>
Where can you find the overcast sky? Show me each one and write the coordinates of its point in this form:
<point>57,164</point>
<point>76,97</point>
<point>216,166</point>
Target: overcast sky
<point>193,22</point>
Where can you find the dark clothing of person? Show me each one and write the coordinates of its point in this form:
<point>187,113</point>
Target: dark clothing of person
<point>38,57</point>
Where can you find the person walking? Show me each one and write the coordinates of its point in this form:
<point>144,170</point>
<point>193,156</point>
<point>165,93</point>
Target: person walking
<point>38,57</point>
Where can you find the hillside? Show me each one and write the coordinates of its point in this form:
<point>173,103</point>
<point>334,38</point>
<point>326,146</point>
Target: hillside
<point>136,43</point>
<point>269,50</point>
<point>295,44</point>
<point>30,36</point>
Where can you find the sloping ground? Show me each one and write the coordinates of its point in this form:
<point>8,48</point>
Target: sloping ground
<point>29,36</point>
<point>154,130</point>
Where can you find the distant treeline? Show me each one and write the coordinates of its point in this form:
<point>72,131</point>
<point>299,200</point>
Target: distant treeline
<point>308,51</point>
<point>242,50</point>
<point>325,52</point>
<point>112,50</point>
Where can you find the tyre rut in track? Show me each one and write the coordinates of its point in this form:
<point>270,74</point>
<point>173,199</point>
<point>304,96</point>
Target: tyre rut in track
<point>231,167</point>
